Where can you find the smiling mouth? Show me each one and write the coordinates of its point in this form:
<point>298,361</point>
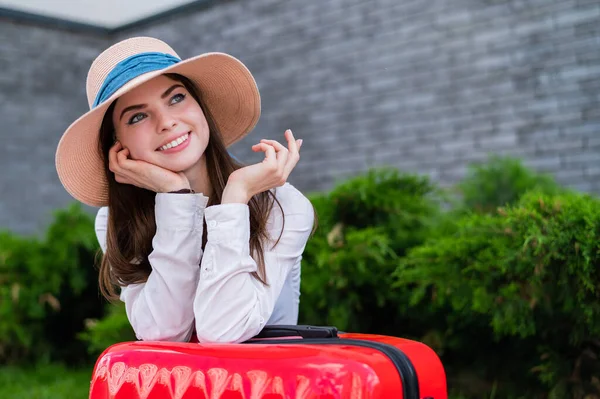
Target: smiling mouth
<point>175,142</point>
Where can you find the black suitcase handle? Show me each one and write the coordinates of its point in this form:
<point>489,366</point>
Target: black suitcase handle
<point>282,331</point>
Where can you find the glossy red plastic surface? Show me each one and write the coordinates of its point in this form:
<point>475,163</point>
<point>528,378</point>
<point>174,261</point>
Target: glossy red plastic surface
<point>430,371</point>
<point>165,370</point>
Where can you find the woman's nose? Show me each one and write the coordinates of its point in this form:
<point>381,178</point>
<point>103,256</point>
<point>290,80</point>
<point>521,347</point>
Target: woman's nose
<point>166,122</point>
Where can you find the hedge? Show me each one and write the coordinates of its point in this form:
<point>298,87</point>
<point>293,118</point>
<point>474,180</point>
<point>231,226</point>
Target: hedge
<point>499,274</point>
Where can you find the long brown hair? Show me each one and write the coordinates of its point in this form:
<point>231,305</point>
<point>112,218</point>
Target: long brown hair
<point>131,221</point>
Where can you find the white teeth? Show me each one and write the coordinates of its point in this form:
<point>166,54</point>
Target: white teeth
<point>175,142</point>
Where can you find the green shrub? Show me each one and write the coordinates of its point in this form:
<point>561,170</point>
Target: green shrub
<point>501,181</point>
<point>525,283</point>
<point>112,329</point>
<point>47,288</point>
<point>365,225</point>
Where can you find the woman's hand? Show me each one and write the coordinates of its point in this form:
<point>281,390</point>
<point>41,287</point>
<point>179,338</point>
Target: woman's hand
<point>143,174</point>
<point>272,172</point>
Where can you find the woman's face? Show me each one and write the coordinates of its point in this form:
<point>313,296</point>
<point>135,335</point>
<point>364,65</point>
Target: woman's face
<point>161,123</point>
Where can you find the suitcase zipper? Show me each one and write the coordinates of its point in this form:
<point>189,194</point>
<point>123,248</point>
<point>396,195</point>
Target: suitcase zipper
<point>408,375</point>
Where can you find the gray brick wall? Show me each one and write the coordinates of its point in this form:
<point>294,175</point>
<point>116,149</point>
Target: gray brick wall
<point>42,72</point>
<point>424,86</point>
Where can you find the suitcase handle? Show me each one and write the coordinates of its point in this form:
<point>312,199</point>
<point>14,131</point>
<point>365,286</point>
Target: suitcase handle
<point>281,331</point>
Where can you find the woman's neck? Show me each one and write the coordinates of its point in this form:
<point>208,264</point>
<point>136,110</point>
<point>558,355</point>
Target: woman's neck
<point>197,175</point>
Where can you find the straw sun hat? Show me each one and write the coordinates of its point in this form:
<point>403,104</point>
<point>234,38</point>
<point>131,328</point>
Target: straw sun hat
<point>227,87</point>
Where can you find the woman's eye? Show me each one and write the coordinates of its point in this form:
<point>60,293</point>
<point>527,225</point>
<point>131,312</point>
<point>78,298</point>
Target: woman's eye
<point>177,98</point>
<point>136,118</point>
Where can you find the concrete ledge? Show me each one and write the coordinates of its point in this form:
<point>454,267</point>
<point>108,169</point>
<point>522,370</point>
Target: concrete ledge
<point>65,24</point>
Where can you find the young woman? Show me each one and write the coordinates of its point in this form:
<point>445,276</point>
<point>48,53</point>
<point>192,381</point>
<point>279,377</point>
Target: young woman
<point>201,247</point>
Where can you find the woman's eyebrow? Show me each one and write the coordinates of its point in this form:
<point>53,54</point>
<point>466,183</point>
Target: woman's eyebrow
<point>170,89</point>
<point>140,106</point>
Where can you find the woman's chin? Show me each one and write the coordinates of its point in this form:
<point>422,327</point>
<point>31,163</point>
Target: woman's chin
<point>181,165</point>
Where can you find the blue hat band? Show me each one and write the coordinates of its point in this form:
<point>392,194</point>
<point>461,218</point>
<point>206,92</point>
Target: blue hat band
<point>131,68</point>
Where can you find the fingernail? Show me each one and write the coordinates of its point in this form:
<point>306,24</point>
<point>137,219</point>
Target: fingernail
<point>300,142</point>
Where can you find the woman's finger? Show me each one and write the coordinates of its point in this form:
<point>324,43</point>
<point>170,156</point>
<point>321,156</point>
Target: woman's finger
<point>124,161</point>
<point>277,145</point>
<point>282,161</point>
<point>121,179</point>
<point>282,152</point>
<point>258,147</point>
<point>289,166</point>
<point>112,156</point>
<point>294,152</point>
<point>270,155</point>
<point>294,155</point>
<point>292,145</point>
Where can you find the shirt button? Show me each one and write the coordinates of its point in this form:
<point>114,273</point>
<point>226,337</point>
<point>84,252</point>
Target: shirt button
<point>212,223</point>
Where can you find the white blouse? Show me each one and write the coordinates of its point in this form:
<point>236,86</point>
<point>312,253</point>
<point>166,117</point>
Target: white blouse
<point>213,290</point>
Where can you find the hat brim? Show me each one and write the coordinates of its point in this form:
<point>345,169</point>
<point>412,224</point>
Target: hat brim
<point>226,86</point>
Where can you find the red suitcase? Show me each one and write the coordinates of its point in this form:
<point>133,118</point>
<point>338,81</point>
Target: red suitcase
<point>295,362</point>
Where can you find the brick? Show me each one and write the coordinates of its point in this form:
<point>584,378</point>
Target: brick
<point>499,141</point>
<point>591,112</point>
<point>383,80</point>
<point>561,117</point>
<point>574,72</point>
<point>580,3</point>
<point>593,142</point>
<point>578,15</point>
<point>578,158</point>
<point>453,17</point>
<point>563,145</point>
<point>584,186</point>
<point>592,171</point>
<point>453,173</point>
<point>544,162</point>
<point>490,12</point>
<point>535,26</point>
<point>569,176</point>
<point>587,129</point>
<point>494,61</point>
